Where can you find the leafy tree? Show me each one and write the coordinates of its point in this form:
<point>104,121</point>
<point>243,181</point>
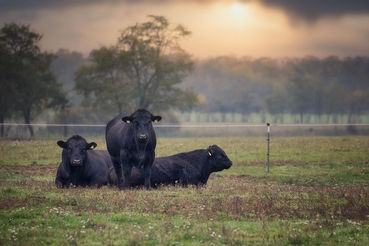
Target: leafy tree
<point>276,102</point>
<point>334,100</point>
<point>300,94</point>
<point>63,67</point>
<point>143,70</point>
<point>103,82</point>
<point>357,102</point>
<point>6,87</point>
<point>155,64</point>
<point>34,88</point>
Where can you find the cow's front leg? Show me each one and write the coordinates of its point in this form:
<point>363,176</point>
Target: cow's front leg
<point>147,169</point>
<point>126,169</point>
<point>147,175</point>
<point>118,171</point>
<point>126,176</point>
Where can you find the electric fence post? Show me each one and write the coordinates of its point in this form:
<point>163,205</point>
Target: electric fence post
<point>268,148</point>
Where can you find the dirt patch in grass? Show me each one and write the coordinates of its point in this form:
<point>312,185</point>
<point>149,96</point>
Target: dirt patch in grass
<point>246,197</point>
<point>17,202</point>
<point>31,170</point>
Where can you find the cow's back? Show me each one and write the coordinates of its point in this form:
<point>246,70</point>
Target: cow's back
<point>100,157</point>
<point>97,167</point>
<point>183,167</point>
<point>170,169</point>
<point>113,133</point>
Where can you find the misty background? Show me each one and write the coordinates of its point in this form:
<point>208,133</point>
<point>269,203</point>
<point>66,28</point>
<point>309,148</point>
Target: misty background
<point>244,61</point>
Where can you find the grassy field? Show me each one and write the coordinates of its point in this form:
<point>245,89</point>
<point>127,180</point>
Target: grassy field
<point>317,193</point>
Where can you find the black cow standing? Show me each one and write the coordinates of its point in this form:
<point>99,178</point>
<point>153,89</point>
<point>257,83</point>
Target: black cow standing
<point>132,143</point>
<point>81,165</point>
<point>188,168</point>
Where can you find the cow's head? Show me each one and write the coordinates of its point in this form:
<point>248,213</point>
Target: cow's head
<point>218,159</point>
<point>75,150</point>
<point>141,123</point>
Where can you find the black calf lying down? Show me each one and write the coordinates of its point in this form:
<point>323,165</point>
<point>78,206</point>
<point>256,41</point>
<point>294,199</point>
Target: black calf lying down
<point>189,168</point>
<point>81,165</point>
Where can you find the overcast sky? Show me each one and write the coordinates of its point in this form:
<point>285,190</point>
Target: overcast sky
<point>276,28</point>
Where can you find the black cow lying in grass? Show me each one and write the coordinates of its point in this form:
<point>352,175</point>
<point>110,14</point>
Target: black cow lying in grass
<point>81,165</point>
<point>189,168</point>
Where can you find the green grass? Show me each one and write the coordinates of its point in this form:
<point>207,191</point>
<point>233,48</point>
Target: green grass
<point>317,193</point>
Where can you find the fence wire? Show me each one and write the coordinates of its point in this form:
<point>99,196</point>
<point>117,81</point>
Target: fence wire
<point>47,130</point>
<point>190,125</point>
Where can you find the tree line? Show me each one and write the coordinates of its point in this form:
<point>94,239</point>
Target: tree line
<point>147,68</point>
<point>307,85</point>
<point>330,86</point>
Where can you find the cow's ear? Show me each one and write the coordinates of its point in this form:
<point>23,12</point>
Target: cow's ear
<point>62,144</point>
<point>127,119</point>
<point>91,145</point>
<point>156,119</point>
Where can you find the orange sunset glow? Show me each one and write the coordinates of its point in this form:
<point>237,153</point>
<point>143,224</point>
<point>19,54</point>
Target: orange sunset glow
<point>240,28</point>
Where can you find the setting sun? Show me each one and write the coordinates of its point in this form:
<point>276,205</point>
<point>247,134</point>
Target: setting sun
<point>238,9</point>
<point>239,14</point>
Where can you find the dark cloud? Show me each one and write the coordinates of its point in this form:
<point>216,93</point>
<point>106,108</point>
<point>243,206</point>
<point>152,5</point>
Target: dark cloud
<point>312,10</point>
<point>309,10</point>
<point>11,5</point>
<point>21,5</point>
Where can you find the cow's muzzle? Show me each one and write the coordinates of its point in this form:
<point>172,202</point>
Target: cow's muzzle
<point>142,137</point>
<point>76,162</point>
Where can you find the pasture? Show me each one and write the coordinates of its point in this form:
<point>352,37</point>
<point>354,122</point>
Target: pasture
<point>316,193</point>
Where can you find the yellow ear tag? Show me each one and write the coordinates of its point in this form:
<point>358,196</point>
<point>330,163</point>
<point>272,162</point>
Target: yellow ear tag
<point>156,121</point>
<point>92,147</point>
<point>209,153</point>
<point>128,121</point>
